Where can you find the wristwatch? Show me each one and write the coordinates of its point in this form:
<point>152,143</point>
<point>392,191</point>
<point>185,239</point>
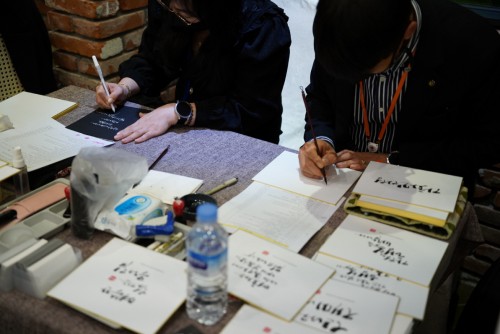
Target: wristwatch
<point>184,111</point>
<point>393,158</point>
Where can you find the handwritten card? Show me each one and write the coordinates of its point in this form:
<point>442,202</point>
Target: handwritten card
<point>104,123</point>
<point>412,297</point>
<point>270,277</point>
<point>409,185</point>
<point>284,172</point>
<point>282,217</point>
<point>346,308</point>
<point>126,284</point>
<point>395,251</point>
<point>166,186</point>
<point>249,320</point>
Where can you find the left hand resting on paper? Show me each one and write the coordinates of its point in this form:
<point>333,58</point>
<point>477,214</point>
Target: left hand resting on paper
<point>150,125</point>
<point>358,160</point>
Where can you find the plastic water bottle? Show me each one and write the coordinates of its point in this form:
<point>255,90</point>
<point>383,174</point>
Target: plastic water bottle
<point>206,246</point>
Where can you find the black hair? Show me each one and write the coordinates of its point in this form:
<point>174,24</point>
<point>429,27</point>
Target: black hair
<point>352,36</point>
<point>221,17</point>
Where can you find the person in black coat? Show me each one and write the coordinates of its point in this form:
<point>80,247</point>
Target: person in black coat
<point>446,115</point>
<point>27,41</point>
<point>229,58</point>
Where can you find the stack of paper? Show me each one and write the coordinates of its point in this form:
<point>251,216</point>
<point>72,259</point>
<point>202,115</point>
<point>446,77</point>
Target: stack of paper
<point>385,259</point>
<point>423,200</point>
<point>398,252</point>
<point>26,108</point>
<point>413,297</point>
<point>42,139</point>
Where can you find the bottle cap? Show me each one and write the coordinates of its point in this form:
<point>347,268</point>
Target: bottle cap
<point>206,212</point>
<point>17,158</point>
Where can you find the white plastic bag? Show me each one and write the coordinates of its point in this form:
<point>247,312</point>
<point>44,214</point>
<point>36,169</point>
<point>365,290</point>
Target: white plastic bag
<point>100,177</point>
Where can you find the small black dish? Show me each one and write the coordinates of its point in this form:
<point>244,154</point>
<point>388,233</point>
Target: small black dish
<point>191,202</point>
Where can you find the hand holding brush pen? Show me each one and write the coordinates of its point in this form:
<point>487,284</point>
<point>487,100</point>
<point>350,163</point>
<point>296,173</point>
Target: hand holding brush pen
<point>104,85</point>
<point>323,171</point>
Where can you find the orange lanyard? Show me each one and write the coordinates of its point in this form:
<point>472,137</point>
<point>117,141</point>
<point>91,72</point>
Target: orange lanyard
<point>389,112</point>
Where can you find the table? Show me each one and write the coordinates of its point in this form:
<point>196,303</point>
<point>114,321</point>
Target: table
<point>213,156</point>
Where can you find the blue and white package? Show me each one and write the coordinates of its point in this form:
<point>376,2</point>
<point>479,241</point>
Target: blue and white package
<point>131,210</point>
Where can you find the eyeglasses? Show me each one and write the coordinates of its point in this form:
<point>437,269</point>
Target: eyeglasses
<point>188,18</point>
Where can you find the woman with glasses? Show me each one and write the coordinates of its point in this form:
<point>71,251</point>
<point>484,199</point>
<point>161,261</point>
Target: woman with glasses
<point>409,82</point>
<point>217,63</point>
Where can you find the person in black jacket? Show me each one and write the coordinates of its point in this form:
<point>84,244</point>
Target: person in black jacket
<point>27,41</point>
<point>446,115</point>
<point>229,58</point>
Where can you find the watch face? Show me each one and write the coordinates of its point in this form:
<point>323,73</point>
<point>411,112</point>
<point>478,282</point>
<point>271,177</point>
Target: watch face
<point>183,108</point>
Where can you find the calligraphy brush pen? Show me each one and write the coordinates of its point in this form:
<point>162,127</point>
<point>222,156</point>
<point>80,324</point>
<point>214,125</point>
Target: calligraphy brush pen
<point>323,171</point>
<point>159,157</point>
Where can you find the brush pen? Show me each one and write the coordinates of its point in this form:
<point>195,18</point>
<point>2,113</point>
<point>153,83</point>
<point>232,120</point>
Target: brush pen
<point>323,171</point>
<point>159,157</point>
<point>222,186</point>
<point>99,71</point>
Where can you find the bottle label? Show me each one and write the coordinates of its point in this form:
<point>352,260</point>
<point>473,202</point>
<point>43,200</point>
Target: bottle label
<point>208,264</point>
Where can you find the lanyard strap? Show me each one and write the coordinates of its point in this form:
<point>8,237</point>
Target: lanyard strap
<point>389,112</point>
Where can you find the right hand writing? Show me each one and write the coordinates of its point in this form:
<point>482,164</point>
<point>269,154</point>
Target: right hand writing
<point>117,95</point>
<point>311,163</point>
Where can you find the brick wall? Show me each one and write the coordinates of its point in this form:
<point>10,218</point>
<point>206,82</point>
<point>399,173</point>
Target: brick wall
<point>109,29</point>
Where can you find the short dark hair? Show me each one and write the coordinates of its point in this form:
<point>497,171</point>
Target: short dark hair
<point>352,36</point>
<point>220,16</point>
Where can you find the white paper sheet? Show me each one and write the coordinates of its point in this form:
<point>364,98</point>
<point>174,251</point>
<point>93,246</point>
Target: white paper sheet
<point>345,308</point>
<point>249,320</point>
<point>7,171</point>
<point>166,186</point>
<point>44,143</point>
<point>284,172</point>
<point>270,277</point>
<point>285,218</point>
<point>26,109</point>
<point>126,284</point>
<point>395,251</point>
<point>412,297</point>
<point>409,185</point>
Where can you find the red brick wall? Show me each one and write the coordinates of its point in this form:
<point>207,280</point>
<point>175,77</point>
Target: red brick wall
<point>109,29</point>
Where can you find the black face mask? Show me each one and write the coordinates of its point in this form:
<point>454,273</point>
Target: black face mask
<point>178,25</point>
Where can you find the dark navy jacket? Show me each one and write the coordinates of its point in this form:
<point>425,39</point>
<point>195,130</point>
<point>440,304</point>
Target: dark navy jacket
<point>450,116</point>
<point>27,41</point>
<point>235,82</point>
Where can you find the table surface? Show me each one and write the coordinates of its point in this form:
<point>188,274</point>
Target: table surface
<point>213,156</point>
